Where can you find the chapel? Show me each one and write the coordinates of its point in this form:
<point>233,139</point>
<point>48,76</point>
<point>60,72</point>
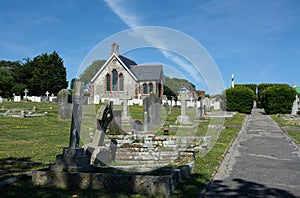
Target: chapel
<point>121,78</point>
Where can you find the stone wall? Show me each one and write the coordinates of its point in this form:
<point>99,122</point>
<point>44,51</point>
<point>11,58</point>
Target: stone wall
<point>152,185</point>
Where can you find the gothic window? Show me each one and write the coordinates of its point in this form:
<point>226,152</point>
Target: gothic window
<point>114,80</point>
<point>145,91</point>
<point>121,82</point>
<point>150,87</point>
<point>107,82</point>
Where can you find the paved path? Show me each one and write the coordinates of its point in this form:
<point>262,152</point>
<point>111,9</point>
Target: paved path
<point>262,162</point>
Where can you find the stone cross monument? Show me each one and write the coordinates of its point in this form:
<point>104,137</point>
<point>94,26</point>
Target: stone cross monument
<point>73,158</point>
<point>26,92</point>
<point>183,118</point>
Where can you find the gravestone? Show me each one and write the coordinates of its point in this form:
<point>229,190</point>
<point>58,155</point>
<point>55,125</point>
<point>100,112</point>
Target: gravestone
<point>26,92</point>
<point>47,95</point>
<point>183,119</point>
<point>99,153</point>
<point>17,98</point>
<point>96,99</point>
<point>73,158</point>
<point>125,117</point>
<point>152,111</point>
<point>64,102</point>
<point>127,121</point>
<point>295,107</point>
<point>117,117</point>
<point>138,125</point>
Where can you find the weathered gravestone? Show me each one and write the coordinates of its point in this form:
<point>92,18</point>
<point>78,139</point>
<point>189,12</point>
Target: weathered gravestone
<point>99,153</point>
<point>73,157</point>
<point>183,118</point>
<point>295,107</point>
<point>64,102</point>
<point>152,111</point>
<point>138,125</point>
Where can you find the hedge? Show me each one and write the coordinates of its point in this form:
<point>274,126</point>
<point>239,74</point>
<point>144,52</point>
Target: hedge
<point>253,87</point>
<point>278,99</point>
<point>260,90</point>
<point>239,99</point>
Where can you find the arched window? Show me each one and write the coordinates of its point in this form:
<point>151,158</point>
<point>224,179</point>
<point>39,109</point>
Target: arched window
<point>107,82</point>
<point>121,82</point>
<point>114,80</point>
<point>145,90</point>
<point>150,87</point>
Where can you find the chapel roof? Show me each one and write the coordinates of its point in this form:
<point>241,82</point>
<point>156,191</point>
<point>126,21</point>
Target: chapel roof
<point>148,72</point>
<point>128,62</point>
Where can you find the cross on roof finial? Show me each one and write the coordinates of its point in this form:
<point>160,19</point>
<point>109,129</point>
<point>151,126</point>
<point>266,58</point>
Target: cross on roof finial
<point>115,48</point>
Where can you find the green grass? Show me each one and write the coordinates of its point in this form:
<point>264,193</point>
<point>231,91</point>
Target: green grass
<point>206,166</point>
<point>40,139</point>
<point>294,134</point>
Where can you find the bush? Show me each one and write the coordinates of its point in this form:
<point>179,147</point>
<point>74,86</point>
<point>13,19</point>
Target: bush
<point>260,90</point>
<point>278,99</point>
<point>250,86</point>
<point>239,99</point>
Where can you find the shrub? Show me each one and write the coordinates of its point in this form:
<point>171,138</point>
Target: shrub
<point>239,99</point>
<point>278,99</point>
<point>250,86</point>
<point>260,90</point>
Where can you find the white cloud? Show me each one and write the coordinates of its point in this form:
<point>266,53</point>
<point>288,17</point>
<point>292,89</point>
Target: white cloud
<point>132,21</point>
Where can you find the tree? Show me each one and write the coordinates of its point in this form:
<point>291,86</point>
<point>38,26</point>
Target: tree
<point>169,93</point>
<point>8,77</point>
<point>91,71</point>
<point>6,82</point>
<point>175,84</point>
<point>47,74</point>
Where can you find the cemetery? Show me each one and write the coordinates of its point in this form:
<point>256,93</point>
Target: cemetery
<point>125,148</point>
<point>154,151</point>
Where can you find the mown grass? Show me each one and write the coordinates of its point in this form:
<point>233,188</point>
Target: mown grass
<point>205,166</point>
<point>294,134</point>
<point>40,139</point>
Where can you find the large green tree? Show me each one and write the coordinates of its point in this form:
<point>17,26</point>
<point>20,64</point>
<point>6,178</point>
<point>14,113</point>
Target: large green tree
<point>47,73</point>
<point>90,71</point>
<point>7,77</point>
<point>6,82</point>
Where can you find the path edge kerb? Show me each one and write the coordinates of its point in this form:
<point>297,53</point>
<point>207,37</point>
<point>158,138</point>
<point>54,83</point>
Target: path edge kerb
<point>227,155</point>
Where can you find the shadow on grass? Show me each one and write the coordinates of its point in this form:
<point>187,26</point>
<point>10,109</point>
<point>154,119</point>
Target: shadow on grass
<point>10,167</point>
<point>244,188</point>
<point>190,187</point>
<point>25,188</point>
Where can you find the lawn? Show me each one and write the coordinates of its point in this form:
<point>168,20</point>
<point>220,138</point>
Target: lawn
<point>294,131</point>
<point>29,143</point>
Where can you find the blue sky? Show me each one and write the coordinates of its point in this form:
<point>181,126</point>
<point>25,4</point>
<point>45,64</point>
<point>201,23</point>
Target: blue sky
<point>258,41</point>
